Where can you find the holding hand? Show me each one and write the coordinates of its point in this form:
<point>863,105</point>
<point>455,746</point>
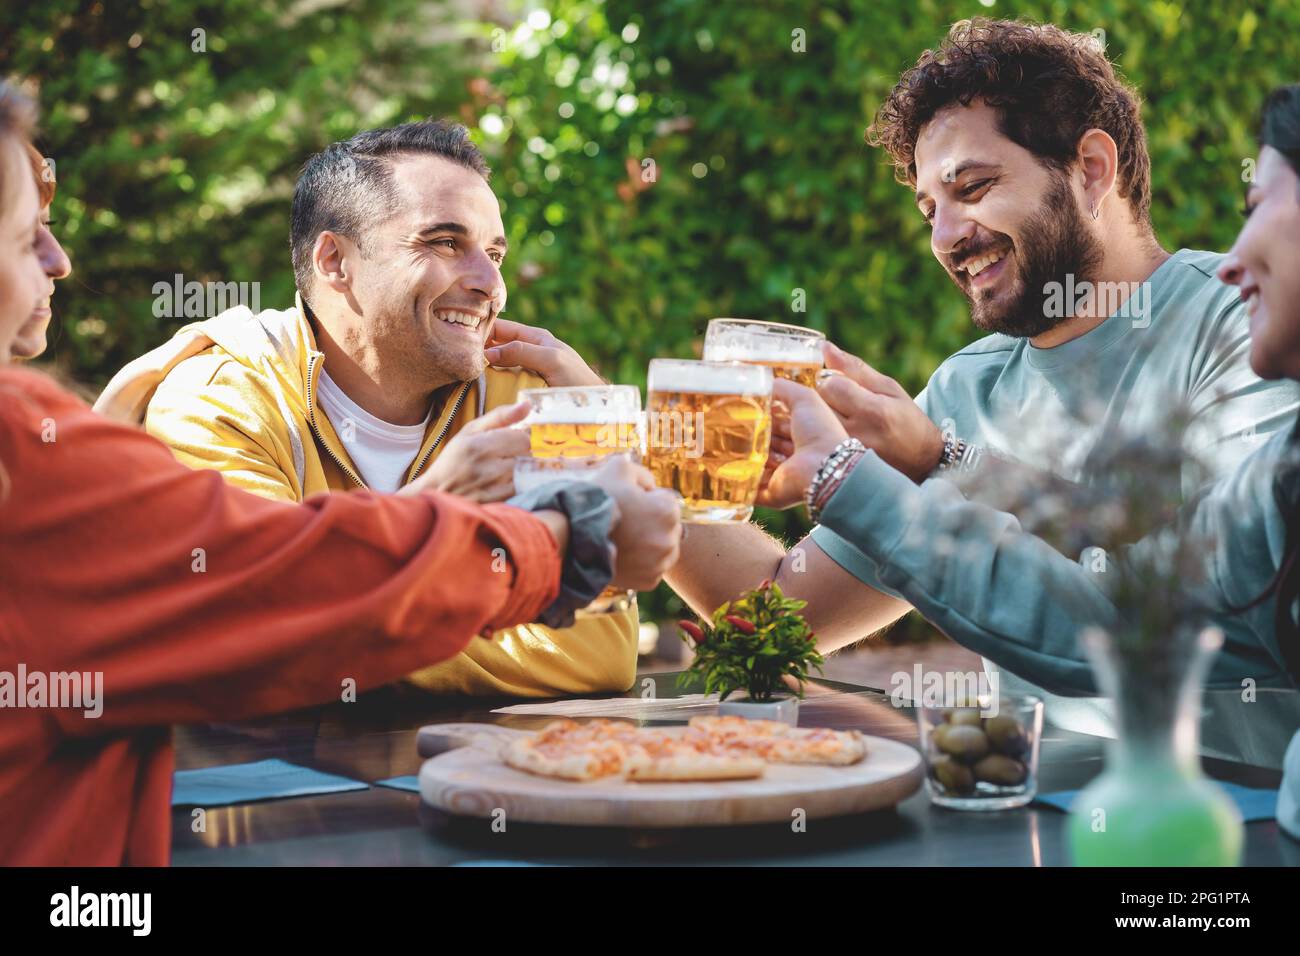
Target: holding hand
<point>513,344</point>
<point>878,412</point>
<point>648,532</point>
<point>811,431</point>
<point>479,461</point>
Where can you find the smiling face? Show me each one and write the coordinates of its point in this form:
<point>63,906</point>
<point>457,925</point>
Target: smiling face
<point>23,282</point>
<point>1263,263</point>
<point>429,284</point>
<point>31,340</point>
<point>1003,225</point>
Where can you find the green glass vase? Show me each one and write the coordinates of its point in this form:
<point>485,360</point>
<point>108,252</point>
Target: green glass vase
<point>1152,806</point>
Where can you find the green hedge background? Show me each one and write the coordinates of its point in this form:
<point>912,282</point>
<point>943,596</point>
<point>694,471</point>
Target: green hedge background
<point>176,151</point>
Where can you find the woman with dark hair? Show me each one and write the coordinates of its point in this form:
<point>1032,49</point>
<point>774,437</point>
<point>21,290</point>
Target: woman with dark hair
<point>1263,265</point>
<point>163,595</point>
<point>1253,514</point>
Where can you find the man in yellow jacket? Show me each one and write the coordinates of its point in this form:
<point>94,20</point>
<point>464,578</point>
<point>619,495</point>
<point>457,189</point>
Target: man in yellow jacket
<point>397,245</point>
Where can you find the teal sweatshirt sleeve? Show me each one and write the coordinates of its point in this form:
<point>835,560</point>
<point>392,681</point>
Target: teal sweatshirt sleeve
<point>1288,798</point>
<point>1008,595</point>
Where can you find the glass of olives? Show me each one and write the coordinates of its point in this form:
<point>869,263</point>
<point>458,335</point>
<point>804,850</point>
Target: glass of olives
<point>982,757</point>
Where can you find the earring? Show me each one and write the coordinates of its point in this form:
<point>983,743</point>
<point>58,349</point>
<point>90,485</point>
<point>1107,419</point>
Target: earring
<point>1096,213</point>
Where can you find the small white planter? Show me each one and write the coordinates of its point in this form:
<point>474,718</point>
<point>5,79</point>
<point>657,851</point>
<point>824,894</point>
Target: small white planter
<point>785,710</point>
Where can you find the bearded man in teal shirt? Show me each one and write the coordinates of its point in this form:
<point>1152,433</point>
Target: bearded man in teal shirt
<point>1028,159</point>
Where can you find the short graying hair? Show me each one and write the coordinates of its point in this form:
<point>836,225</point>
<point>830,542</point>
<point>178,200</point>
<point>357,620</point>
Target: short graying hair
<point>348,186</point>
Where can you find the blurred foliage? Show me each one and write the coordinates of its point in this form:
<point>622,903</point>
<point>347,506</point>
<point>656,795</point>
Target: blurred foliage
<point>660,163</point>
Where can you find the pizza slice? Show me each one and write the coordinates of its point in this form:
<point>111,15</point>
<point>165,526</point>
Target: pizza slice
<point>564,749</point>
<point>658,756</point>
<point>598,749</point>
<point>781,743</point>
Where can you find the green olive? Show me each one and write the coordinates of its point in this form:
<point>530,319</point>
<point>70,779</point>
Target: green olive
<point>952,776</point>
<point>937,733</point>
<point>966,718</point>
<point>1005,772</point>
<point>967,744</point>
<point>1006,735</point>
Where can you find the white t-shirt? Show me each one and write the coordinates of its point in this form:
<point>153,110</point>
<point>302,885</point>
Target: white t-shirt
<point>381,451</point>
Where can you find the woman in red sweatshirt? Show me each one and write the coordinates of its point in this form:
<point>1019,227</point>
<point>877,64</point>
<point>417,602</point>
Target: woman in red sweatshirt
<point>196,601</point>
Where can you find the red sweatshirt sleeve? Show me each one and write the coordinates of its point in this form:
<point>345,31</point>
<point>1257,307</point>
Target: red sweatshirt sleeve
<point>198,601</point>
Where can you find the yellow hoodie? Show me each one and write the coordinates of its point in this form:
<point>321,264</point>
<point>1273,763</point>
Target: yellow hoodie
<point>236,393</point>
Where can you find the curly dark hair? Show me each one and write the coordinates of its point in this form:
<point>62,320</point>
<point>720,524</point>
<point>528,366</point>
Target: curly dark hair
<point>1049,87</point>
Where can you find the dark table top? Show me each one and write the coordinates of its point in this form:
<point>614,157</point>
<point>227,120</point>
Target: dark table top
<point>374,739</point>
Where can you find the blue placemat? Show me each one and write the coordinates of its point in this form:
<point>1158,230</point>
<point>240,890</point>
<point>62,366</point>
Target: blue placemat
<point>411,783</point>
<point>1254,804</point>
<point>246,782</point>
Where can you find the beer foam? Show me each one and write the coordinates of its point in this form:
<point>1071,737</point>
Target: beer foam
<point>778,353</point>
<point>710,379</point>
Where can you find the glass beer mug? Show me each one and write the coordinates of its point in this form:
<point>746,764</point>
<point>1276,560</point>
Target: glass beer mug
<point>708,430</point>
<point>790,351</point>
<point>572,431</point>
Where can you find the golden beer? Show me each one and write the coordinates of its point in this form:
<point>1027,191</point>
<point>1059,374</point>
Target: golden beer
<point>580,439</point>
<point>790,351</point>
<point>709,425</point>
<point>794,371</point>
<point>582,421</point>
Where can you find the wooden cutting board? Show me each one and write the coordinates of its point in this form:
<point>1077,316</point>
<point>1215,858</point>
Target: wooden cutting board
<point>468,779</point>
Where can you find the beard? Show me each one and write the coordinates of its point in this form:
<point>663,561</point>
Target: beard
<point>428,349</point>
<point>1054,242</point>
<point>447,355</point>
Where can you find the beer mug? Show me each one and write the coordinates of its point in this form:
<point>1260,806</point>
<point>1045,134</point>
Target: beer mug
<point>581,421</point>
<point>708,428</point>
<point>790,351</point>
<point>572,431</point>
<point>532,472</point>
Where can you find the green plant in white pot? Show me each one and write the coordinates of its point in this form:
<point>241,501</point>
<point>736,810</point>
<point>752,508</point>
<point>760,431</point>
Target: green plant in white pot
<point>753,644</point>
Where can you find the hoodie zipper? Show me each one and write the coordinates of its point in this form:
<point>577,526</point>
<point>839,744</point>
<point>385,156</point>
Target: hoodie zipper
<point>311,411</point>
<point>311,406</point>
<point>455,410</point>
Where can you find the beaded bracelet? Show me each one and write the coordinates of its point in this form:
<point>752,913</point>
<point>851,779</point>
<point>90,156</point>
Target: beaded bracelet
<point>831,474</point>
<point>833,485</point>
<point>954,452</point>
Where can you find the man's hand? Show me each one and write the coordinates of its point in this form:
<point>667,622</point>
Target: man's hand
<point>805,436</point>
<point>877,411</point>
<point>648,533</point>
<point>479,461</point>
<point>537,350</point>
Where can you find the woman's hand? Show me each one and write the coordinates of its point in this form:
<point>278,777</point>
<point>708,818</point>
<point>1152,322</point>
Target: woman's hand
<point>804,432</point>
